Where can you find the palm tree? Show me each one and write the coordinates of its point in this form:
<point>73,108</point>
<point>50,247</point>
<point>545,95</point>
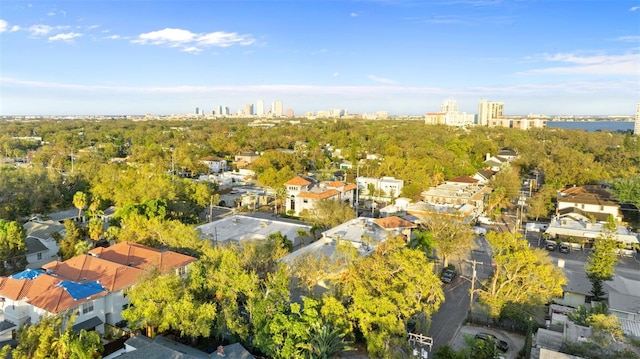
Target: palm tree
<point>80,200</point>
<point>326,342</point>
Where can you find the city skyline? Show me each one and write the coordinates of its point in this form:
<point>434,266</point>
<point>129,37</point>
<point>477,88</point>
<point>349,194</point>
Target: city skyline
<point>404,57</point>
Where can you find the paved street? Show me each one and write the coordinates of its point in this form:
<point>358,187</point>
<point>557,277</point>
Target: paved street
<point>453,312</point>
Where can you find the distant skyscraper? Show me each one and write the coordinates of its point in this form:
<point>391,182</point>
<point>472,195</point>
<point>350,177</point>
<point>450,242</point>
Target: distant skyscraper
<point>488,110</point>
<point>636,128</point>
<point>449,106</point>
<point>197,110</point>
<point>260,108</point>
<point>289,113</point>
<point>220,111</point>
<point>276,109</point>
<point>248,109</point>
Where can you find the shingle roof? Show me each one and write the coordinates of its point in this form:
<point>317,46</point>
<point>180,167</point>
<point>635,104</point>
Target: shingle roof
<point>34,245</point>
<point>463,179</point>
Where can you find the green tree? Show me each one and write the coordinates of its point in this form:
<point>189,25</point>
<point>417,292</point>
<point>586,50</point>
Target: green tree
<point>328,213</point>
<point>601,263</point>
<point>451,235</point>
<point>69,244</point>
<point>522,274</point>
<point>53,337</point>
<point>95,229</point>
<point>606,329</point>
<point>80,200</point>
<point>386,290</point>
<point>13,246</point>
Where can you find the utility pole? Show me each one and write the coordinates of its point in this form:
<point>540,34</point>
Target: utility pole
<point>473,282</point>
<point>211,209</point>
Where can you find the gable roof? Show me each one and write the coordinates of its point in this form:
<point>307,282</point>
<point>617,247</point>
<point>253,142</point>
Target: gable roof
<point>34,245</point>
<point>463,179</point>
<point>43,229</point>
<point>298,181</point>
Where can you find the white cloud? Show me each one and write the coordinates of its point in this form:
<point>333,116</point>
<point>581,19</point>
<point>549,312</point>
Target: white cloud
<point>40,30</point>
<point>15,28</point>
<point>65,37</point>
<point>381,79</point>
<point>224,39</point>
<point>626,64</point>
<point>634,8</point>
<point>354,14</point>
<point>189,40</point>
<point>192,49</point>
<point>3,25</point>
<point>113,37</point>
<point>631,38</point>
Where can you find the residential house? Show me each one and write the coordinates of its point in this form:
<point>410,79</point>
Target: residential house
<point>459,191</point>
<point>91,285</point>
<point>588,203</point>
<point>583,233</point>
<point>245,158</point>
<point>383,188</point>
<point>238,228</point>
<point>41,245</point>
<point>303,194</point>
<point>483,176</point>
<point>160,347</point>
<point>215,164</point>
<point>363,233</point>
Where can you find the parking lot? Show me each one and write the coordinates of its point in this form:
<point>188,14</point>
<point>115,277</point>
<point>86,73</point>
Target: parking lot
<point>515,341</point>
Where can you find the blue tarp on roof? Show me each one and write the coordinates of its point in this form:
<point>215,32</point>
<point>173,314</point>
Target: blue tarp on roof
<point>82,290</point>
<point>27,274</point>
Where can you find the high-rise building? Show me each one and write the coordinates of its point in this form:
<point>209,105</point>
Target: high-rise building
<point>449,105</point>
<point>248,109</point>
<point>220,111</point>
<point>260,108</point>
<point>636,128</point>
<point>197,110</point>
<point>277,109</point>
<point>488,111</point>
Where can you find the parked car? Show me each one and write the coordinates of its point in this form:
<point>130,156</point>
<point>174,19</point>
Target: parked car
<point>480,231</point>
<point>550,246</point>
<point>564,248</point>
<point>447,275</point>
<point>501,344</point>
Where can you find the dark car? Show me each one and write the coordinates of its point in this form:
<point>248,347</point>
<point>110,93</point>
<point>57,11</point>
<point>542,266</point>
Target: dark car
<point>564,248</point>
<point>550,246</point>
<point>448,275</point>
<point>501,344</point>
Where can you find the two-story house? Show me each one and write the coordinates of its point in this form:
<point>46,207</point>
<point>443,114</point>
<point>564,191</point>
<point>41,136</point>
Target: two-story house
<point>303,194</point>
<point>587,203</point>
<point>215,164</point>
<point>91,285</point>
<point>459,191</point>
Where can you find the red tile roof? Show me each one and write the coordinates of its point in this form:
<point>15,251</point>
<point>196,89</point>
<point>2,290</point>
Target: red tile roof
<point>114,268</point>
<point>142,257</point>
<point>297,181</point>
<point>319,195</point>
<point>393,222</point>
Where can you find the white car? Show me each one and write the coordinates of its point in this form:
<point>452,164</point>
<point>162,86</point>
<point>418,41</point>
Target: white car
<point>480,231</point>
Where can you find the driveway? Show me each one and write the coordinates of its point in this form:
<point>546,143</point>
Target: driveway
<point>516,341</point>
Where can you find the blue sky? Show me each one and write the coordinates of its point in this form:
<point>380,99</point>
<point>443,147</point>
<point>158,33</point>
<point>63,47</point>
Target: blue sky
<point>401,56</point>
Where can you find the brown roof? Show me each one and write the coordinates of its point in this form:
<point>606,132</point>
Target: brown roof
<point>298,181</point>
<point>463,179</point>
<point>319,195</point>
<point>588,189</point>
<point>114,268</point>
<point>393,222</point>
<point>58,299</point>
<point>142,257</point>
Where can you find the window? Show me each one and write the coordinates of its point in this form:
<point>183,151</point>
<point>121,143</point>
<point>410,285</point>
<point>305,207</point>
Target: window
<point>39,256</point>
<point>182,271</point>
<point>87,307</point>
<point>587,299</point>
<point>305,200</point>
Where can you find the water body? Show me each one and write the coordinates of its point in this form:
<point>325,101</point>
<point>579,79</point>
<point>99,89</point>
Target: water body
<point>592,126</point>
